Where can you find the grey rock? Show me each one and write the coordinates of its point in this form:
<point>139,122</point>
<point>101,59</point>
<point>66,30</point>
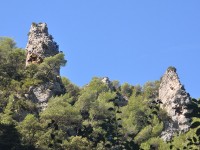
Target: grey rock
<point>40,94</point>
<point>40,44</point>
<point>174,100</point>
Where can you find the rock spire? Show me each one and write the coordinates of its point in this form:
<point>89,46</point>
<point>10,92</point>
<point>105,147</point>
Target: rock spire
<point>40,44</point>
<point>174,100</point>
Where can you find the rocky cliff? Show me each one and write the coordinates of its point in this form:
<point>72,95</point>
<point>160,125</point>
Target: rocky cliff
<point>41,45</point>
<point>174,100</point>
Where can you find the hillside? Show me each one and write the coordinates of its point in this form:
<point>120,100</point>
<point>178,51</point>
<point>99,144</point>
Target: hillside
<point>41,110</point>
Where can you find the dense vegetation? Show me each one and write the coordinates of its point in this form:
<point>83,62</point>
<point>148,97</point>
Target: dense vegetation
<point>96,116</point>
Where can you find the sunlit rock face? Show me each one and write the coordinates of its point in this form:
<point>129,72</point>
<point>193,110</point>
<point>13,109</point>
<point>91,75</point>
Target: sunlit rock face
<point>40,44</point>
<point>174,100</point>
<point>41,94</point>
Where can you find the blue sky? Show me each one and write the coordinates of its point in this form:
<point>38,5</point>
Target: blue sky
<point>131,41</point>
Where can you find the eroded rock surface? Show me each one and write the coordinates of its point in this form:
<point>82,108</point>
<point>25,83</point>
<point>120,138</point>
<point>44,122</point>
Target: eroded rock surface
<point>174,100</point>
<point>40,94</point>
<point>40,44</point>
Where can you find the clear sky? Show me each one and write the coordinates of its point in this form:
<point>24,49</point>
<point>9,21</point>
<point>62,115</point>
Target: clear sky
<point>131,41</point>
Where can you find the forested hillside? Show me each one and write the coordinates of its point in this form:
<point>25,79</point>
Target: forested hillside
<point>102,115</point>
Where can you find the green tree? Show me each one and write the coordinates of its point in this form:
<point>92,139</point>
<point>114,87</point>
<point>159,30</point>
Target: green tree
<point>72,91</point>
<point>61,120</point>
<point>151,89</point>
<point>48,70</point>
<point>30,129</point>
<point>126,89</point>
<point>77,143</point>
<point>60,111</point>
<point>7,116</point>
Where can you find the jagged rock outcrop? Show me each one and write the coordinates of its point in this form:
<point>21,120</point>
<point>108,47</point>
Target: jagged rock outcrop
<point>41,45</point>
<point>174,100</point>
<point>40,94</point>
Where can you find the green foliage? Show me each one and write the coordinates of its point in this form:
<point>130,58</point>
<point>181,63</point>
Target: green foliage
<point>137,90</point>
<point>7,116</point>
<point>151,89</point>
<point>60,111</point>
<point>91,117</point>
<point>189,140</point>
<point>139,120</point>
<point>134,114</point>
<point>126,89</point>
<point>12,62</point>
<point>155,143</point>
<point>29,128</point>
<point>59,119</point>
<point>85,102</point>
<point>6,44</point>
<point>102,107</point>
<point>116,84</point>
<point>48,70</point>
<point>143,135</point>
<point>72,91</point>
<point>78,143</point>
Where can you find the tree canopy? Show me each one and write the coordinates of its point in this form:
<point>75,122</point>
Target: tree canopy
<point>97,116</point>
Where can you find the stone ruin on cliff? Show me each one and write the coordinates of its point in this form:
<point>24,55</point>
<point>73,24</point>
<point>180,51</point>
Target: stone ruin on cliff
<point>174,100</point>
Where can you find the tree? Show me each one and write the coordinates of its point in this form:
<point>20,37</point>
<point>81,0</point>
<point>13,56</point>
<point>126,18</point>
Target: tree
<point>60,121</point>
<point>78,143</point>
<point>7,116</point>
<point>48,70</point>
<point>62,113</point>
<point>151,89</point>
<point>30,130</point>
<point>72,91</point>
<point>6,46</point>
<point>126,89</point>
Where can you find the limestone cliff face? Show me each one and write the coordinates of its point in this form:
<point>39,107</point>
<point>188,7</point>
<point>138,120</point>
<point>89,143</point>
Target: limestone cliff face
<point>41,45</point>
<point>41,94</point>
<point>174,100</point>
